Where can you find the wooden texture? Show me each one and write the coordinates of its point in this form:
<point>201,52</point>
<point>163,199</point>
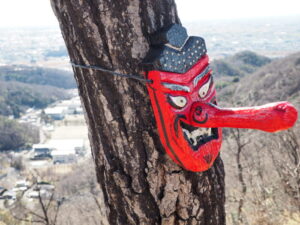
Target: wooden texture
<point>141,185</point>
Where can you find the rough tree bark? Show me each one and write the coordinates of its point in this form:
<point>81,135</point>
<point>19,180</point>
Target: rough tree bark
<point>141,185</point>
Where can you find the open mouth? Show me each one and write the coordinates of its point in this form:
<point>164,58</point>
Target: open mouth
<point>197,136</point>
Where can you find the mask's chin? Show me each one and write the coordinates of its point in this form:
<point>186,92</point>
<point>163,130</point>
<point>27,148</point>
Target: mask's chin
<point>198,136</point>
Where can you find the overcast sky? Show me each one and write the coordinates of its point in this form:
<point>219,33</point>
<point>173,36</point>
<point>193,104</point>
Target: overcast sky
<point>193,10</point>
<point>39,13</point>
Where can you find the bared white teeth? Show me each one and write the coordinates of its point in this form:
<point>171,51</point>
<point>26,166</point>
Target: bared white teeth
<point>197,135</point>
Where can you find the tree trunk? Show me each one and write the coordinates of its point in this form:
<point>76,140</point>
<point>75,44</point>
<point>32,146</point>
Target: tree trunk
<point>141,185</point>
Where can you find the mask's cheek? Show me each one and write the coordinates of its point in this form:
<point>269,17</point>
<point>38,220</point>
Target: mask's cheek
<point>164,115</point>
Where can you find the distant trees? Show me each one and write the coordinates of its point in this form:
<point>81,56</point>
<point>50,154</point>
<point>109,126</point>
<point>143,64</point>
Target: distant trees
<point>239,64</point>
<point>263,169</point>
<point>83,196</point>
<point>239,148</point>
<point>285,154</point>
<point>15,97</point>
<point>45,211</point>
<point>18,163</point>
<point>251,58</point>
<point>70,198</point>
<point>268,170</point>
<point>35,87</point>
<point>14,135</point>
<point>38,75</point>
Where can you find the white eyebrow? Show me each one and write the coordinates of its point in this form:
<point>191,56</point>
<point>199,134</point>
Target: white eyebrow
<point>176,87</point>
<point>198,77</point>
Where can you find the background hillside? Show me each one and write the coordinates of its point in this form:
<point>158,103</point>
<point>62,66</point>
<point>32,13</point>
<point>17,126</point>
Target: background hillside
<point>231,68</point>
<point>239,64</point>
<point>25,87</point>
<point>277,81</point>
<point>38,75</point>
<point>16,97</point>
<point>264,166</point>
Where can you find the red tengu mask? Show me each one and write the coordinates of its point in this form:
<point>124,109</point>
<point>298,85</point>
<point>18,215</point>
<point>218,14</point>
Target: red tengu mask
<point>183,99</point>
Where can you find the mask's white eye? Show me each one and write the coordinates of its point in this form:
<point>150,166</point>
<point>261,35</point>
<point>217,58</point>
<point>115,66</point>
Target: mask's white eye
<point>177,101</point>
<point>204,89</point>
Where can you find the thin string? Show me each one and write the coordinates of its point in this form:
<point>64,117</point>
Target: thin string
<point>131,76</point>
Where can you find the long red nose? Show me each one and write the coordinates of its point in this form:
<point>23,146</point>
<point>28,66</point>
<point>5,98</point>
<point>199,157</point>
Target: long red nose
<point>270,117</point>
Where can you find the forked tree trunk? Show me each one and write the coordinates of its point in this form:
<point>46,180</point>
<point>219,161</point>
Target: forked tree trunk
<point>141,185</point>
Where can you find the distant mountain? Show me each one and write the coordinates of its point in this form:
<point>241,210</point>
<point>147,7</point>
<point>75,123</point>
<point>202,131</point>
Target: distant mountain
<point>38,75</point>
<point>15,97</point>
<point>239,65</point>
<point>264,157</point>
<point>23,87</point>
<point>277,81</point>
<point>61,52</point>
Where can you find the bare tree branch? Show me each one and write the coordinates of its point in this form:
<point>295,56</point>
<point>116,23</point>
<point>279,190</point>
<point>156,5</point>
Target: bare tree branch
<point>45,212</point>
<point>26,220</point>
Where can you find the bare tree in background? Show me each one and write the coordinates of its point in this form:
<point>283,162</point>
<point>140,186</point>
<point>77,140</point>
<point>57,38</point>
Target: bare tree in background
<point>141,185</point>
<point>238,147</point>
<point>83,198</point>
<point>45,212</point>
<point>288,163</point>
